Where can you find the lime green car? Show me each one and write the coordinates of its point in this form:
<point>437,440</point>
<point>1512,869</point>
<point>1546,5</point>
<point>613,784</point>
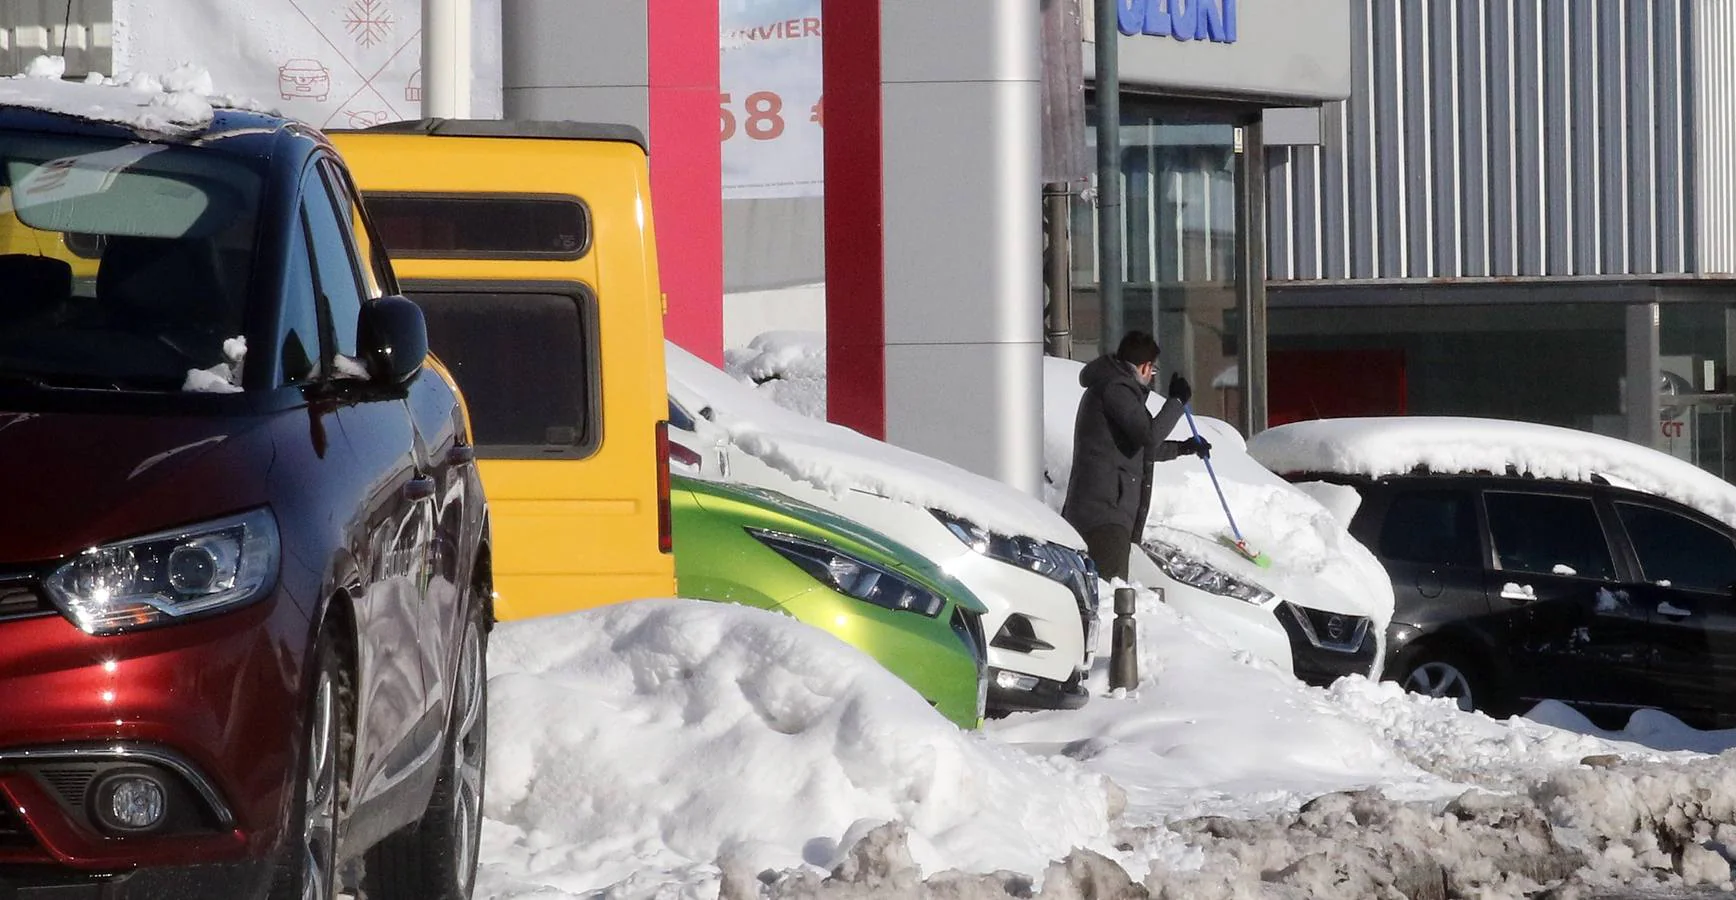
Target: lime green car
<point>759,548</point>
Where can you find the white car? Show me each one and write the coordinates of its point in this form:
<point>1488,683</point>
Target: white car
<point>1038,586</point>
<point>1320,609</point>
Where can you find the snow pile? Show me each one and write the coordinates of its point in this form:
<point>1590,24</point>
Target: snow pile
<point>179,103</point>
<point>1311,552</point>
<point>649,739</point>
<point>837,459</point>
<point>1444,444</point>
<point>788,366</point>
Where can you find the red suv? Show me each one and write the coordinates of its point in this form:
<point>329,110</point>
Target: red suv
<point>244,568</point>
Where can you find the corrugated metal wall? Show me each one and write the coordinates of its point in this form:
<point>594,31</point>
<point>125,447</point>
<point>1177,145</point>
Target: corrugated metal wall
<point>1512,137</point>
<point>82,30</point>
<point>1715,133</point>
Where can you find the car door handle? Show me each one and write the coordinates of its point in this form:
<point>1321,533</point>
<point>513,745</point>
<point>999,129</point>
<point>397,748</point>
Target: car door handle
<point>419,488</point>
<point>1666,608</point>
<point>1513,590</point>
<point>461,454</point>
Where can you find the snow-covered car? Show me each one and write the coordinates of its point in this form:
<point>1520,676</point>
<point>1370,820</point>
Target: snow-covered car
<point>1320,609</point>
<point>1532,562</point>
<point>1021,559</point>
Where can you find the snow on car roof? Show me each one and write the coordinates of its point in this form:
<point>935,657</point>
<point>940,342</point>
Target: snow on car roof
<point>1381,446</point>
<point>180,103</point>
<point>837,459</point>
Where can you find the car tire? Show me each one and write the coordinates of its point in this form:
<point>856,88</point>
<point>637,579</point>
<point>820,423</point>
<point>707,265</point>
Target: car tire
<point>435,857</point>
<point>307,864</point>
<point>1450,675</point>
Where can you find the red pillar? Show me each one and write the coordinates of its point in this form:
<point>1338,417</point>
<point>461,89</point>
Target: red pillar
<point>855,217</point>
<point>687,170</point>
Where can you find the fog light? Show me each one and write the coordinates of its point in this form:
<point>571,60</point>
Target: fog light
<point>1013,681</point>
<point>131,802</point>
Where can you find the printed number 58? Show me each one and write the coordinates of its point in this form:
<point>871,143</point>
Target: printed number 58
<point>765,119</point>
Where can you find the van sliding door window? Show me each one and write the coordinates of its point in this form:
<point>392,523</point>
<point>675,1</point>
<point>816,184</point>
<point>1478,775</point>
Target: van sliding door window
<point>525,357</point>
<point>481,226</point>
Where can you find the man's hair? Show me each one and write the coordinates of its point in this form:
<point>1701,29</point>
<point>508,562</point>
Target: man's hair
<point>1137,348</point>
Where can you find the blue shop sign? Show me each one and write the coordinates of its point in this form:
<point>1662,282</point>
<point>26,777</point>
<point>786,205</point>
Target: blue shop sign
<point>1184,20</point>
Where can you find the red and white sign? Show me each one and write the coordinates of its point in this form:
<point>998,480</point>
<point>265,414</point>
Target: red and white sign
<point>770,109</point>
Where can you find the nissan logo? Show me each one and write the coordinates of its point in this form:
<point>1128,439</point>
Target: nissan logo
<point>1335,627</point>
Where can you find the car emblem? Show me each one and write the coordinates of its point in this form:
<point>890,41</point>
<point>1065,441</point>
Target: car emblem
<point>1335,628</point>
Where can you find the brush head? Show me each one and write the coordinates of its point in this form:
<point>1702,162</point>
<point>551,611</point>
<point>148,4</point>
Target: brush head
<point>1252,555</point>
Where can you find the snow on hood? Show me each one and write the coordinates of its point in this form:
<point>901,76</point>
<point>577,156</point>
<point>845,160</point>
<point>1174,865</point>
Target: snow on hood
<point>1312,554</point>
<point>180,103</point>
<point>837,459</point>
<point>789,368</point>
<point>1395,445</point>
<point>661,735</point>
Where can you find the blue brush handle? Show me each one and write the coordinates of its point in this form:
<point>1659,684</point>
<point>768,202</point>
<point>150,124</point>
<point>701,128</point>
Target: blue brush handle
<point>1187,411</point>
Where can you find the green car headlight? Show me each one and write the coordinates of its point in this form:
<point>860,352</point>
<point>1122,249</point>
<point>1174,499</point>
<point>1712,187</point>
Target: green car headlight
<point>848,575</point>
<point>1196,573</point>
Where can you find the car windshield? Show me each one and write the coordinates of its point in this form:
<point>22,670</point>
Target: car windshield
<point>124,265</point>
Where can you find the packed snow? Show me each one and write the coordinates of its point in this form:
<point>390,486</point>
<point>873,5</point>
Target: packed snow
<point>680,749</point>
<point>837,459</point>
<point>178,103</point>
<point>1447,444</point>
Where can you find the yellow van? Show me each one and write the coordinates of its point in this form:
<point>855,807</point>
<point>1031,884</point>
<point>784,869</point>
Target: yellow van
<point>530,248</point>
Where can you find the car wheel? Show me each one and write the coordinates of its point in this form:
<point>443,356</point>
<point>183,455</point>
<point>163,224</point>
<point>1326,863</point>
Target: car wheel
<point>435,858</point>
<point>1445,675</point>
<point>307,868</point>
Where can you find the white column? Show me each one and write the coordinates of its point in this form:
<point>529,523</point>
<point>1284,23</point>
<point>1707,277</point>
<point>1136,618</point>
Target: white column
<point>963,234</point>
<point>446,59</point>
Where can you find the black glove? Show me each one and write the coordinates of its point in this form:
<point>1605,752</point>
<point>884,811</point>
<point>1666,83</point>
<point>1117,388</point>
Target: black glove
<point>1179,390</point>
<point>1198,446</point>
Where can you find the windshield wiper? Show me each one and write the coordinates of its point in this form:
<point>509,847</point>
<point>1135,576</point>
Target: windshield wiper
<point>62,382</point>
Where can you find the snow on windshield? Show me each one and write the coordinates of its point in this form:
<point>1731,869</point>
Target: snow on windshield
<point>1308,546</point>
<point>1396,445</point>
<point>837,459</point>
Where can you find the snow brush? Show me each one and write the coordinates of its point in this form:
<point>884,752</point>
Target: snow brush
<point>1240,545</point>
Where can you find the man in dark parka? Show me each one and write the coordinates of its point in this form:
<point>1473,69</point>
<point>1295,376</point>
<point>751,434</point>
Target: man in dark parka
<point>1116,440</point>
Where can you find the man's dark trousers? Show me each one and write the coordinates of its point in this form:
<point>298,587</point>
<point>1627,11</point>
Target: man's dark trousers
<point>1109,546</point>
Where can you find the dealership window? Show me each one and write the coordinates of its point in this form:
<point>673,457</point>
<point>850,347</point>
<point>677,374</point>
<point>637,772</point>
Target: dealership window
<point>1185,215</point>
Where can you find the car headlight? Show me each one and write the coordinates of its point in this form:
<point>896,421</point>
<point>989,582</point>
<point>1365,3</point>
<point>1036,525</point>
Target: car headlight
<point>161,577</point>
<point>848,575</point>
<point>1048,560</point>
<point>1195,573</point>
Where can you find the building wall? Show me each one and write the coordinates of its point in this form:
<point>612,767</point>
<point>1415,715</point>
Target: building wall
<point>81,30</point>
<point>1488,138</point>
<point>1714,79</point>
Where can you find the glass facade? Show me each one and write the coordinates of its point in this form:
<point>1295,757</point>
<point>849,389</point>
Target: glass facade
<point>1184,249</point>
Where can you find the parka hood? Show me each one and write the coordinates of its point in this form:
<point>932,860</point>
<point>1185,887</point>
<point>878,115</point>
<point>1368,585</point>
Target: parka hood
<point>1105,369</point>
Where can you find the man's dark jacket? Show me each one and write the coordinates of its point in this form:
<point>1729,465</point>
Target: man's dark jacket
<point>1115,439</point>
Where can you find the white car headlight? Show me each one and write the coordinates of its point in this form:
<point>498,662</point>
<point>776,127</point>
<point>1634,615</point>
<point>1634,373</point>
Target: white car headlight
<point>161,577</point>
<point>1049,560</point>
<point>1197,573</point>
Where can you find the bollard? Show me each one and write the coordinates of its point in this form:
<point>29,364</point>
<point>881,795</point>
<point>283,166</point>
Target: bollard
<point>1124,643</point>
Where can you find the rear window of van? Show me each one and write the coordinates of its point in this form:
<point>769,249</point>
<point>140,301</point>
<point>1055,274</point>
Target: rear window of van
<point>481,226</point>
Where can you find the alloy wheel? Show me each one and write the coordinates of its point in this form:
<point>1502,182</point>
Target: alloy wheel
<point>1441,679</point>
<point>320,796</point>
<point>469,750</point>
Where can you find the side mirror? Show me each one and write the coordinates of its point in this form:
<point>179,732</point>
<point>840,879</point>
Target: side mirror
<point>394,339</point>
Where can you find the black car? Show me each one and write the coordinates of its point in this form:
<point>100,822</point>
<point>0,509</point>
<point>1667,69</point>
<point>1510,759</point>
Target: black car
<point>1509,590</point>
